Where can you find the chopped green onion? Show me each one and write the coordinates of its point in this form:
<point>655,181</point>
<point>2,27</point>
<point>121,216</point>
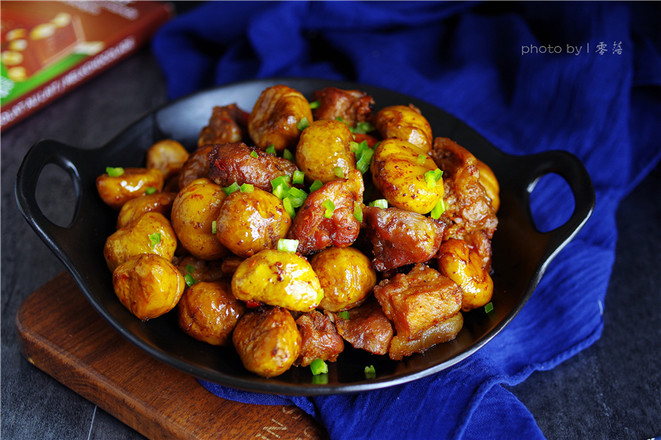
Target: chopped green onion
<point>339,118</point>
<point>189,279</point>
<point>280,186</point>
<point>422,158</point>
<point>298,178</point>
<point>297,197</point>
<point>364,161</point>
<point>488,307</point>
<point>330,208</point>
<point>190,268</point>
<point>343,314</point>
<point>154,239</point>
<point>362,128</point>
<point>379,203</point>
<point>363,154</point>
<point>281,180</point>
<point>370,372</point>
<point>150,190</point>
<point>288,155</point>
<point>432,177</point>
<point>247,188</point>
<point>253,153</point>
<point>318,366</point>
<point>358,213</point>
<point>114,171</point>
<point>338,172</point>
<point>438,210</point>
<point>213,227</point>
<point>232,188</point>
<point>302,124</point>
<point>316,185</point>
<point>287,245</point>
<point>289,207</point>
<point>314,104</point>
<point>270,149</point>
<point>280,192</point>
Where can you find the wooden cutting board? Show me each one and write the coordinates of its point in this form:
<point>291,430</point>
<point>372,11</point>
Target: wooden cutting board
<point>64,336</point>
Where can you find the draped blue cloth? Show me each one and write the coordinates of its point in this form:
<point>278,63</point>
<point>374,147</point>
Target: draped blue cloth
<point>530,77</point>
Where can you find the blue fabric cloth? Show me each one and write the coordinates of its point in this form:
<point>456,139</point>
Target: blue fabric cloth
<point>492,66</point>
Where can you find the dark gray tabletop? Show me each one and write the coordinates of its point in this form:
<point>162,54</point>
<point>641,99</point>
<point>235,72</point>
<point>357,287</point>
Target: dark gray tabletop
<point>612,390</point>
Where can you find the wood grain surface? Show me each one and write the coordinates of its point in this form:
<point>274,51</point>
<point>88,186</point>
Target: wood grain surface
<point>61,334</point>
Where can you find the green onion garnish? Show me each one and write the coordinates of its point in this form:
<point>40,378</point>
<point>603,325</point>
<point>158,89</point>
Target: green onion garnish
<point>232,188</point>
<point>358,213</point>
<point>338,172</point>
<point>362,128</point>
<point>297,197</point>
<point>370,372</point>
<point>287,245</point>
<point>379,203</point>
<point>422,158</point>
<point>438,210</point>
<point>253,153</point>
<point>280,192</point>
<point>247,188</point>
<point>298,178</point>
<point>432,177</point>
<point>280,181</point>
<point>488,307</point>
<point>114,171</point>
<point>289,207</point>
<point>316,185</point>
<point>154,239</point>
<point>314,105</point>
<point>189,279</point>
<point>288,155</point>
<point>302,124</point>
<point>213,227</point>
<point>190,268</point>
<point>363,154</point>
<point>343,314</point>
<point>150,190</point>
<point>270,149</point>
<point>364,161</point>
<point>330,208</point>
<point>318,366</point>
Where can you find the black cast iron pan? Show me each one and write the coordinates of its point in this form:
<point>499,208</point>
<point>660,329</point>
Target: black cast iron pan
<point>521,253</point>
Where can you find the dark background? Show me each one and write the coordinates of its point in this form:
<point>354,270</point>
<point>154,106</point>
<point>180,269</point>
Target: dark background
<point>612,390</point>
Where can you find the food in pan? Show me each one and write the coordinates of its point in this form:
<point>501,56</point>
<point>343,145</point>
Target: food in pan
<point>300,226</point>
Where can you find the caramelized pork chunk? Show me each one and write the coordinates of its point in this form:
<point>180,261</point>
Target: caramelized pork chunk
<point>196,167</point>
<point>367,328</point>
<point>320,339</point>
<point>444,331</point>
<point>418,300</point>
<point>468,208</point>
<point>400,237</point>
<point>239,163</point>
<point>327,216</point>
<point>352,106</point>
<point>227,124</point>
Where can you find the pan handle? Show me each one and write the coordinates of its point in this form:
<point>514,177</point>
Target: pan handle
<point>41,154</point>
<point>572,170</point>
